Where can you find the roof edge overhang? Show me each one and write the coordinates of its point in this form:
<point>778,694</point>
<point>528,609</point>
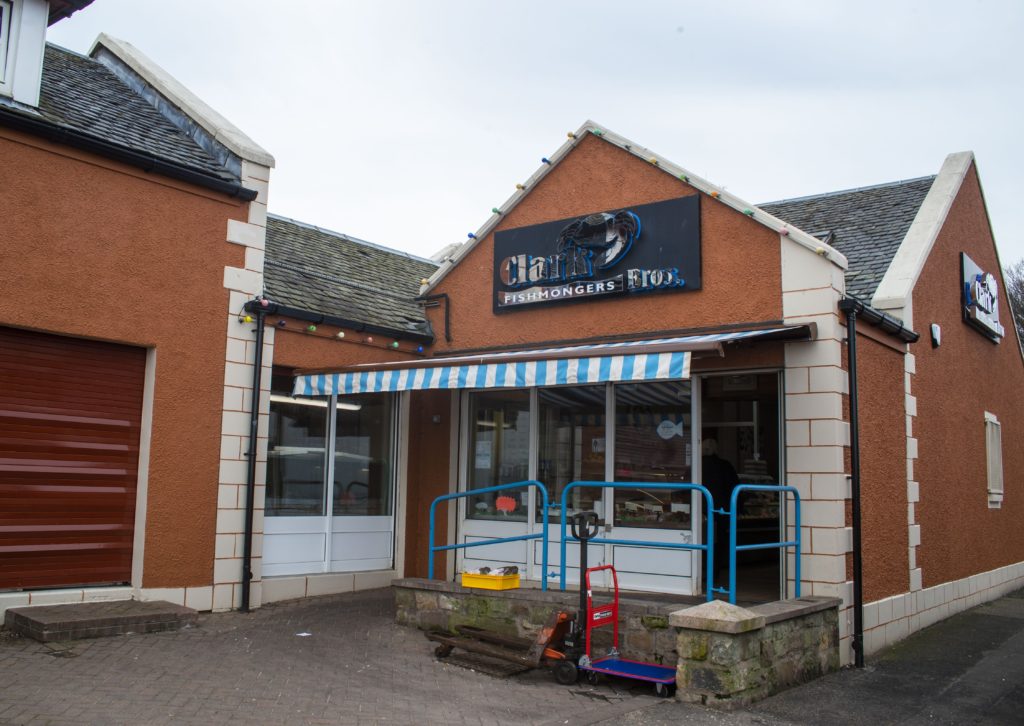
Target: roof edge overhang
<point>61,9</point>
<point>64,135</point>
<point>269,307</point>
<point>894,292</point>
<point>590,127</point>
<point>219,128</point>
<point>701,342</point>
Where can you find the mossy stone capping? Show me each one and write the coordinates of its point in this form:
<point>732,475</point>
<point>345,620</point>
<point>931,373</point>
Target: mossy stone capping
<point>732,669</point>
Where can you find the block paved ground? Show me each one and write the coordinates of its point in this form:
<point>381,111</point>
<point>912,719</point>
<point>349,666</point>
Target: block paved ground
<point>355,666</point>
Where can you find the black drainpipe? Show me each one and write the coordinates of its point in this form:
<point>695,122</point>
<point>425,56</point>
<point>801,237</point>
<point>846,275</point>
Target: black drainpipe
<point>850,308</point>
<point>250,485</point>
<point>425,299</point>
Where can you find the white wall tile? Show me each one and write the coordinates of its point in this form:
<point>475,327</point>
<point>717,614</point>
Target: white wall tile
<point>55,597</point>
<point>329,584</point>
<point>276,589</point>
<point>798,433</point>
<point>174,595</point>
<point>242,280</point>
<point>809,459</point>
<point>244,233</point>
<point>797,379</point>
<point>830,432</point>
<point>828,378</point>
<point>814,406</point>
<point>199,598</point>
<point>222,597</point>
<point>835,485</point>
<point>230,520</point>
<point>227,571</point>
<point>813,353</point>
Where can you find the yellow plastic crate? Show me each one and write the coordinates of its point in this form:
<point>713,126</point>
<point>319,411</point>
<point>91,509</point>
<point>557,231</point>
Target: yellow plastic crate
<point>490,582</point>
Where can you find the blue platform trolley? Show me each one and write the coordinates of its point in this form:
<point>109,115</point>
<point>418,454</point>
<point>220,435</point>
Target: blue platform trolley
<point>607,615</point>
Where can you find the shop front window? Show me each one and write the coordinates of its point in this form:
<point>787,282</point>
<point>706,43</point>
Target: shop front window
<point>499,453</point>
<point>653,445</point>
<point>296,457</point>
<point>363,445</point>
<point>572,445</point>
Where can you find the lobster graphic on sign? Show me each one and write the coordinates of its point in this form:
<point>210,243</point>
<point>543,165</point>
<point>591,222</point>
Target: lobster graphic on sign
<point>606,236</point>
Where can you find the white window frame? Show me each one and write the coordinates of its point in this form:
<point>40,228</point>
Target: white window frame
<point>994,460</point>
<point>6,24</point>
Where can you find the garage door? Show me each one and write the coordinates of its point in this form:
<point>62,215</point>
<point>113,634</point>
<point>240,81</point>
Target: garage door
<point>70,414</point>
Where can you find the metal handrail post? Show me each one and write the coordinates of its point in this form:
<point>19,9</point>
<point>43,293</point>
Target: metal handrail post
<point>431,550</point>
<point>706,547</point>
<point>544,541</point>
<point>487,490</point>
<point>733,547</point>
<point>733,501</point>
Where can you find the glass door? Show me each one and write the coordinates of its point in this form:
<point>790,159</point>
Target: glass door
<point>294,536</point>
<point>329,450</point>
<point>571,446</point>
<point>497,452</point>
<point>652,435</point>
<point>362,530</point>
<point>741,444</point>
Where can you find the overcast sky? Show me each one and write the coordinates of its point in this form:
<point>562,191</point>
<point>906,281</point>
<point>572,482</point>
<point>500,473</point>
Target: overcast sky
<point>403,123</point>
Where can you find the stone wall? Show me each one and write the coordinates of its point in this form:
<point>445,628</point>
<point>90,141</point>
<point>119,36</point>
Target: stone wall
<point>731,656</point>
<point>726,656</point>
<point>644,630</point>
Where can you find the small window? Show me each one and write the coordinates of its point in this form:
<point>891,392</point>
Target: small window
<point>994,459</point>
<point>5,37</point>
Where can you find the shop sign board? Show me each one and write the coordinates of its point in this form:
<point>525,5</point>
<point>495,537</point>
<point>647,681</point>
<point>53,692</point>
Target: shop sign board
<point>641,249</point>
<point>979,297</point>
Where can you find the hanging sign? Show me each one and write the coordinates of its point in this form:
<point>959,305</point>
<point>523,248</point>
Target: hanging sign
<point>979,296</point>
<point>641,249</point>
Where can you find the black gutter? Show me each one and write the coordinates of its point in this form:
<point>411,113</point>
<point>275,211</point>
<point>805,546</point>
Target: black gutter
<point>250,484</point>
<point>878,319</point>
<point>447,304</point>
<point>273,308</point>
<point>141,159</point>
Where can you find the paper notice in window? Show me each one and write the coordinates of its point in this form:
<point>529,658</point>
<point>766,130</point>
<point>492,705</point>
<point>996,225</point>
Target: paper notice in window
<point>483,454</point>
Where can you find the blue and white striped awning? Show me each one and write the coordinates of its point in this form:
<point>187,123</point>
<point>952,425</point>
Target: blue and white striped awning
<point>645,360</point>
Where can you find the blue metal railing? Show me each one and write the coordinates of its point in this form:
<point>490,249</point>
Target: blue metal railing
<point>542,535</point>
<point>733,547</point>
<point>707,547</point>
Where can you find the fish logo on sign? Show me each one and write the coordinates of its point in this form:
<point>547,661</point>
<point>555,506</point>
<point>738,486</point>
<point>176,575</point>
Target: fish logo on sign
<point>667,429</point>
<point>606,237</point>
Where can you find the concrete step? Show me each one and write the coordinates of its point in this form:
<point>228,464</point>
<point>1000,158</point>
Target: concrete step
<point>47,623</point>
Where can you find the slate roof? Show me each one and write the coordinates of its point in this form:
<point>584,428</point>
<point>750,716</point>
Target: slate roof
<point>333,274</point>
<point>867,225</point>
<point>82,94</point>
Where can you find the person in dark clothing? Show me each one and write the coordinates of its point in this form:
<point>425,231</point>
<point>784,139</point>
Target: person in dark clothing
<point>719,477</point>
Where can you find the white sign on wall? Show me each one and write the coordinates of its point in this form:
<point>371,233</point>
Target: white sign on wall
<point>979,295</point>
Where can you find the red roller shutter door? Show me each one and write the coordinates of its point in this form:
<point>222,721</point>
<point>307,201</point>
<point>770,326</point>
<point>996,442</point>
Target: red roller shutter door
<point>70,414</point>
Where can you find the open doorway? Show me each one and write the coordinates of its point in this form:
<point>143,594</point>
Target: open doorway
<point>741,443</point>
